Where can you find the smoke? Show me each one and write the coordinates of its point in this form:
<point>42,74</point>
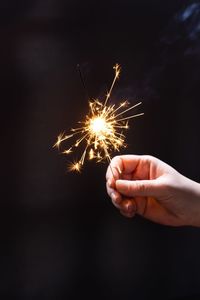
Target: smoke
<point>184,29</point>
<point>188,12</point>
<point>190,17</point>
<point>176,56</point>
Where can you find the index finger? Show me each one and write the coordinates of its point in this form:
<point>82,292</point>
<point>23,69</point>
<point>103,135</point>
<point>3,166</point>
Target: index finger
<point>112,175</point>
<point>126,163</point>
<point>123,164</point>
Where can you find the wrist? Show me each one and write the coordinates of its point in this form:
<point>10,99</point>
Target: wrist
<point>194,202</point>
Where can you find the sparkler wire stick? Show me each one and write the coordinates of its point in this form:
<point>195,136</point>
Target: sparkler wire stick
<point>82,81</point>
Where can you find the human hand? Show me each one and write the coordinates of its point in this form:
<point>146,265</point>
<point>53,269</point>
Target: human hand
<point>149,187</point>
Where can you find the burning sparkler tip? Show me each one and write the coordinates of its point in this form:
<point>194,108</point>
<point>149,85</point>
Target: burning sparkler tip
<point>101,131</point>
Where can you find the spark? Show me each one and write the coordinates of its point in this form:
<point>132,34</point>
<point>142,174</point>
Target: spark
<point>102,130</point>
<point>75,166</point>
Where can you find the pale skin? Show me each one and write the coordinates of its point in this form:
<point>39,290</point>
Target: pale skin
<point>145,185</point>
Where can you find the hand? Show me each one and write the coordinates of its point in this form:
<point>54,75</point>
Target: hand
<point>149,187</point>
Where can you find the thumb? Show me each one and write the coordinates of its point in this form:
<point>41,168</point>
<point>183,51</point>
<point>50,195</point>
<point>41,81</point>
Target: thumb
<point>132,188</point>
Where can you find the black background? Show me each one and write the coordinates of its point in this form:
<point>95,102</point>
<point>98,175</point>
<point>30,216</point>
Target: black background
<point>61,238</point>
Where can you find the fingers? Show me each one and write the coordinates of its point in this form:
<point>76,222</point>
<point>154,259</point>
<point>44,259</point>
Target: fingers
<point>121,167</point>
<point>121,186</point>
<point>114,169</point>
<point>144,188</point>
<point>122,164</point>
<point>127,207</point>
<point>114,195</point>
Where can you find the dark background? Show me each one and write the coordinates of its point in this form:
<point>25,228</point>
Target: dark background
<point>61,238</point>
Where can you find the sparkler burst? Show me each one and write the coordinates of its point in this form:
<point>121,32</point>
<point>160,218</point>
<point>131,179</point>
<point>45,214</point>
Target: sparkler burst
<point>102,130</point>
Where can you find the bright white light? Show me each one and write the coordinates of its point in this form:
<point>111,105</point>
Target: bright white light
<point>98,126</point>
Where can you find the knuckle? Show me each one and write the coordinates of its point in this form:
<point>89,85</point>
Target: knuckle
<point>146,156</point>
<point>149,157</point>
<point>140,187</point>
<point>129,188</point>
<point>115,159</point>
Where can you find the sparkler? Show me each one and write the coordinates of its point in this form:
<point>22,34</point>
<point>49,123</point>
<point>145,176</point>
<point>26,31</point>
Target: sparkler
<point>102,130</point>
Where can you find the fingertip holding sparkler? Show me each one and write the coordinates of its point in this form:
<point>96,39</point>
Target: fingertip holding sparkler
<point>101,132</point>
<point>116,172</point>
